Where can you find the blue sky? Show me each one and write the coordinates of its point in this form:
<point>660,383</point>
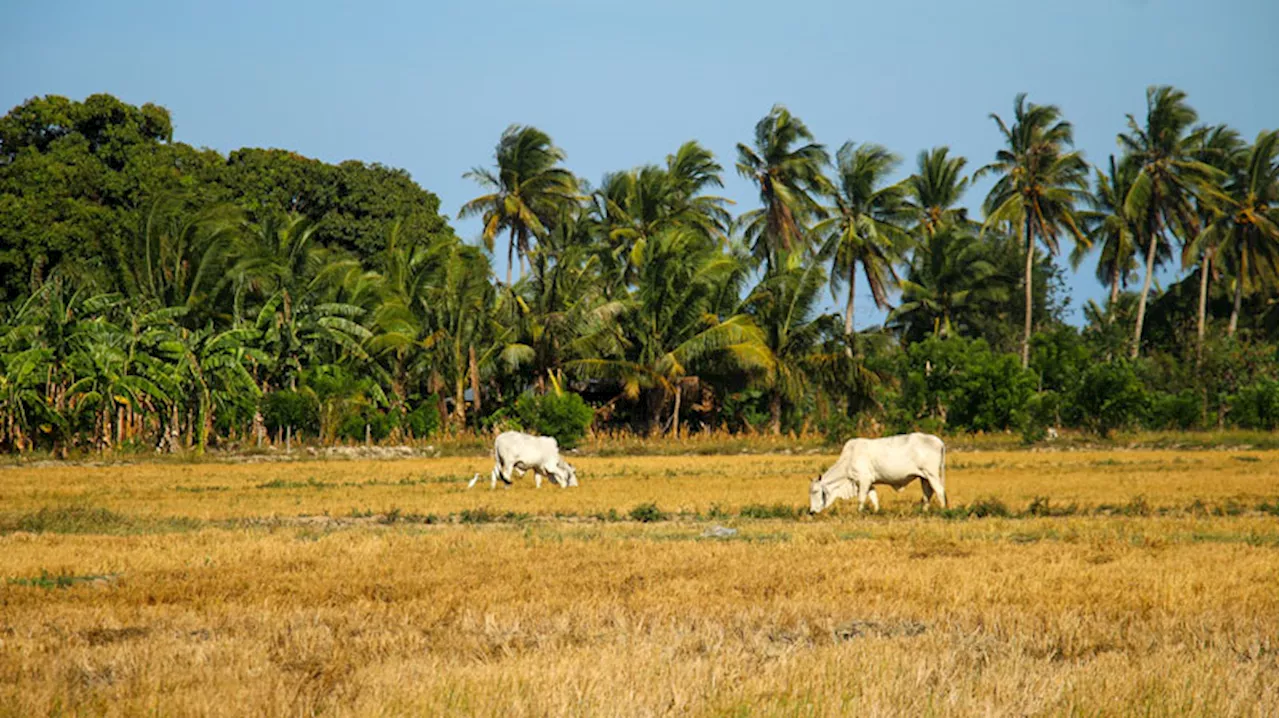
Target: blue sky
<point>430,86</point>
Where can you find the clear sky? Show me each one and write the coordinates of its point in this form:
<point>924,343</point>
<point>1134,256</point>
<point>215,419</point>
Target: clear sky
<point>429,86</point>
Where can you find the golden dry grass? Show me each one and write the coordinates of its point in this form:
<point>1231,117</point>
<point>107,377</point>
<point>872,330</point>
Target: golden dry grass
<point>185,608</point>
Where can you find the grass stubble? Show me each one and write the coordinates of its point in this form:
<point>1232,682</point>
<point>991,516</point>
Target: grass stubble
<point>1147,584</point>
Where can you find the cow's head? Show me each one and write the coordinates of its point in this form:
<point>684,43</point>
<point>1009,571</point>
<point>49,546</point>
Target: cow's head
<point>569,474</point>
<point>819,496</point>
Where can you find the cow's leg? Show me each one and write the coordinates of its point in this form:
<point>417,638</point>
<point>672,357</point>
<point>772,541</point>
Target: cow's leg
<point>537,477</point>
<point>875,499</point>
<point>933,485</point>
<point>864,490</point>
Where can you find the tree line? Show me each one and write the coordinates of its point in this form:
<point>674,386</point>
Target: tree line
<point>154,294</point>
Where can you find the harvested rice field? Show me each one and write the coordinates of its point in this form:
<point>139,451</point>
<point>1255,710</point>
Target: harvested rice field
<point>1056,583</point>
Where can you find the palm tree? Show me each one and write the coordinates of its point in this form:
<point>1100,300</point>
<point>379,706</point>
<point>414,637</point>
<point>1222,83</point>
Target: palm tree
<point>458,306</point>
<point>950,279</point>
<point>632,206</point>
<point>181,259</point>
<point>787,177</point>
<point>1164,150</point>
<point>526,188</point>
<point>671,327</point>
<point>298,287</point>
<point>561,312</point>
<point>783,305</point>
<point>1039,184</point>
<point>866,226</point>
<point>1224,150</point>
<point>935,190</point>
<point>1244,222</point>
<point>1111,230</point>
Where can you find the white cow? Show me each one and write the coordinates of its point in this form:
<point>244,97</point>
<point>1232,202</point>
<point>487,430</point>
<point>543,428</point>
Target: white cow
<point>892,461</point>
<point>517,452</point>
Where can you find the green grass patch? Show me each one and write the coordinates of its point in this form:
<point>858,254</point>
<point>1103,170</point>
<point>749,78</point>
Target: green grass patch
<point>310,483</point>
<point>485,515</point>
<point>774,511</point>
<point>48,580</point>
<point>90,520</point>
<point>647,513</point>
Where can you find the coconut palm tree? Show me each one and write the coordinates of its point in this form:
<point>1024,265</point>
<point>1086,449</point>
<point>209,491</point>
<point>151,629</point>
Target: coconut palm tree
<point>1165,150</point>
<point>784,307</point>
<point>1224,150</point>
<point>182,259</point>
<point>631,206</point>
<point>1112,231</point>
<point>1040,182</point>
<point>935,190</point>
<point>866,225</point>
<point>786,167</point>
<point>949,279</point>
<point>525,187</point>
<point>672,328</point>
<point>1244,222</point>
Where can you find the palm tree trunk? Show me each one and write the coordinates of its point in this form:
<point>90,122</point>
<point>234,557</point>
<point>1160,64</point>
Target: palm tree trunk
<point>459,402</point>
<point>511,252</point>
<point>1115,294</point>
<point>1235,303</point>
<point>1200,315</point>
<point>775,412</point>
<point>1142,299</point>
<point>675,414</point>
<point>848,308</point>
<point>1026,279</point>
<point>474,369</point>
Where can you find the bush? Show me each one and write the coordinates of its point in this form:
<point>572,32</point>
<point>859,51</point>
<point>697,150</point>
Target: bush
<point>646,513</point>
<point>987,506</point>
<point>1111,397</point>
<point>1175,411</point>
<point>838,428</point>
<point>564,416</point>
<point>285,408</point>
<point>1256,406</point>
<point>424,420</point>
<point>964,381</point>
<point>379,423</point>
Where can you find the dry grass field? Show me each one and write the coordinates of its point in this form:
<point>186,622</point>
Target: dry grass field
<point>1059,583</point>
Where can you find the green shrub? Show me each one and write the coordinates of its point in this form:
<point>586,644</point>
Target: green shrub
<point>1111,397</point>
<point>564,416</point>
<point>646,513</point>
<point>775,511</point>
<point>285,408</point>
<point>380,424</point>
<point>424,420</point>
<point>1256,406</point>
<point>987,506</point>
<point>1175,411</point>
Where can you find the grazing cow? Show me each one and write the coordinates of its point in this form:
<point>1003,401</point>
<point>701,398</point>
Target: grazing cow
<point>892,461</point>
<point>517,452</point>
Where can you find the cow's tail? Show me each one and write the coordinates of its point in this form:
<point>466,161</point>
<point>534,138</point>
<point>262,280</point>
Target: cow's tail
<point>942,475</point>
